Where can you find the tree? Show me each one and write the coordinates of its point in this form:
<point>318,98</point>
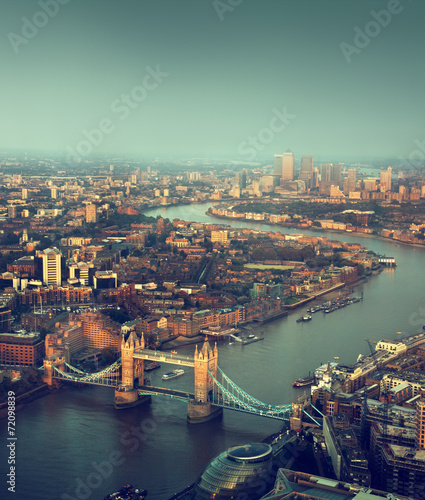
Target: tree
<point>108,355</point>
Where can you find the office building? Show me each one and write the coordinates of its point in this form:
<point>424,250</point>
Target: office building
<point>293,485</point>
<point>21,349</point>
<point>288,166</point>
<point>420,425</point>
<point>11,211</point>
<point>330,175</point>
<point>239,472</point>
<point>51,266</point>
<point>370,184</point>
<point>385,180</point>
<point>350,182</point>
<point>219,237</point>
<point>277,165</point>
<point>348,460</point>
<point>242,179</point>
<point>104,279</point>
<point>306,172</point>
<point>82,272</point>
<point>91,213</point>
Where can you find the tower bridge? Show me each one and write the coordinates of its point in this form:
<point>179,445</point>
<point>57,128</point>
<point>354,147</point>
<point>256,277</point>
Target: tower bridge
<point>213,389</point>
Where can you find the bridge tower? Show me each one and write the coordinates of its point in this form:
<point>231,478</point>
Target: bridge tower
<point>132,373</point>
<point>49,363</point>
<point>201,410</point>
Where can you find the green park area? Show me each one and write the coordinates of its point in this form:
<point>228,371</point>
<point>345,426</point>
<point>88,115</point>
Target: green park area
<point>268,266</point>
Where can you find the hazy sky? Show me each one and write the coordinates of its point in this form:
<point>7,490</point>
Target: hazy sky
<point>213,77</point>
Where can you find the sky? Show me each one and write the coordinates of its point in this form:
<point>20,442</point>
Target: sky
<point>243,79</point>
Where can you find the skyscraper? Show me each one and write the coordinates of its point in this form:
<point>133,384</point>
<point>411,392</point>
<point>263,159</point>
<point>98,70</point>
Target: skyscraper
<point>51,266</point>
<point>350,181</point>
<point>242,179</point>
<point>385,180</point>
<point>277,165</point>
<point>306,172</point>
<point>288,166</point>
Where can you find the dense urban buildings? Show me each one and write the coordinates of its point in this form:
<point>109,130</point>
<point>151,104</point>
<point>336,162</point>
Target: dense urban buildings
<point>73,294</point>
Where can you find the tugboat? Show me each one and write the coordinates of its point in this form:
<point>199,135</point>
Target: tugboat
<point>302,382</point>
<point>304,318</point>
<point>127,492</point>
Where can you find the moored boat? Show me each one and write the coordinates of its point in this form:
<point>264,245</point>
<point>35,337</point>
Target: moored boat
<point>151,365</point>
<point>127,492</point>
<point>302,382</point>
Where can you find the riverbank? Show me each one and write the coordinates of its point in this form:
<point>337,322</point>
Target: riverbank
<point>318,229</point>
<point>182,341</point>
<point>23,399</point>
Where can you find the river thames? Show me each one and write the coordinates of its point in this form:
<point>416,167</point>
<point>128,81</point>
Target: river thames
<point>73,444</point>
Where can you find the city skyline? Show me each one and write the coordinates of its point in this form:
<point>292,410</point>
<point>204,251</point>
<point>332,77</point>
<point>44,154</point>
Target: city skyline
<point>212,79</point>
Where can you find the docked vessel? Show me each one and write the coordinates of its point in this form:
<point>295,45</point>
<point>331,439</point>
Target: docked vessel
<point>173,374</point>
<point>304,319</point>
<point>151,365</point>
<point>303,382</point>
<point>127,492</point>
<point>250,339</point>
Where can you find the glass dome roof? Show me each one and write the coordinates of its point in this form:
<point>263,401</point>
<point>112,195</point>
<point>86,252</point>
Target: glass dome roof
<point>242,472</point>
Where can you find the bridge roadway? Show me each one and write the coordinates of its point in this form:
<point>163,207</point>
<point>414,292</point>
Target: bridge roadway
<point>188,397</point>
<point>182,395</point>
<point>165,357</point>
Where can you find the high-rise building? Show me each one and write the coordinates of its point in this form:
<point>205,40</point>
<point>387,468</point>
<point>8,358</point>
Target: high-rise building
<point>277,165</point>
<point>288,166</point>
<point>242,179</point>
<point>51,266</point>
<point>385,180</point>
<point>330,175</point>
<point>420,425</point>
<point>350,181</point>
<point>24,193</point>
<point>369,184</point>
<point>330,172</point>
<point>306,172</point>
<point>82,271</point>
<point>11,211</point>
<point>54,193</point>
<point>325,172</point>
<point>91,213</point>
